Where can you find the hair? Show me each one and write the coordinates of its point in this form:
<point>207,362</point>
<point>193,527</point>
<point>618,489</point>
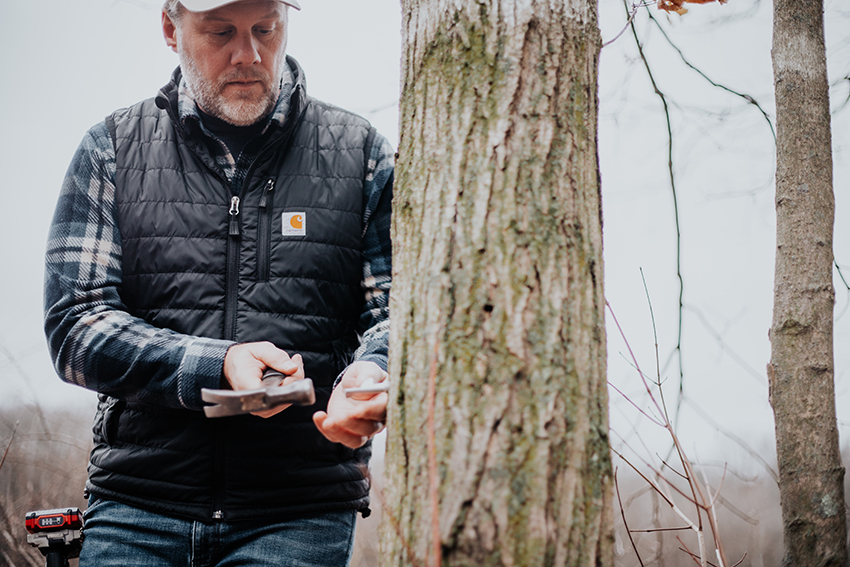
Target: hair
<point>174,10</point>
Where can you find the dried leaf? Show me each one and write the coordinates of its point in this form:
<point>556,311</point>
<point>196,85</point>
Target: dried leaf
<point>677,5</point>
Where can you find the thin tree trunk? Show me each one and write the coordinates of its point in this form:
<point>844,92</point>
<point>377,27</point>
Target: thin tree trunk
<point>497,287</point>
<point>801,368</point>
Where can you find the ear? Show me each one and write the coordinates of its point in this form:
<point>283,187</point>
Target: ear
<point>169,31</point>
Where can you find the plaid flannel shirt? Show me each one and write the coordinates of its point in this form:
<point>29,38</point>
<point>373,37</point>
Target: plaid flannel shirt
<point>97,344</point>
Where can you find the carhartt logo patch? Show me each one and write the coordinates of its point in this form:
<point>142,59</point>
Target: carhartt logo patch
<point>294,224</point>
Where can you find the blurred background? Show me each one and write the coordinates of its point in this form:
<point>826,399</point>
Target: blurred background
<point>65,65</point>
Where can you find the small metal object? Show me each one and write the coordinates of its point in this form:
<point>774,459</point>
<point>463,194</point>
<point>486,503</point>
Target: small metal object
<point>374,388</point>
<point>56,533</point>
<point>271,395</point>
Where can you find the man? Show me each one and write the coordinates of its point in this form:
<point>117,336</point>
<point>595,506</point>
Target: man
<point>228,225</point>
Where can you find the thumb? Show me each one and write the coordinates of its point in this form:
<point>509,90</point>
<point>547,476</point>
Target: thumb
<point>319,419</point>
<point>298,362</point>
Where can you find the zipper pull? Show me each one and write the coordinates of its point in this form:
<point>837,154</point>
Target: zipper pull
<point>234,216</point>
<point>265,197</point>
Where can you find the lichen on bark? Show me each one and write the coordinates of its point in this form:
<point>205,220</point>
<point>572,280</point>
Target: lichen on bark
<point>497,263</point>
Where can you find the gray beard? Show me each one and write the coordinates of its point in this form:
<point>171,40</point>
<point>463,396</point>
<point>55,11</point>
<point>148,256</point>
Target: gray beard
<point>240,110</point>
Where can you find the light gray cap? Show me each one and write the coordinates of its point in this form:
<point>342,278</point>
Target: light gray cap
<point>204,5</point>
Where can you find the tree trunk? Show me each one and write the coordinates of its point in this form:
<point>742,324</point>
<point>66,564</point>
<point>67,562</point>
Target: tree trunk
<point>801,368</point>
<point>498,337</point>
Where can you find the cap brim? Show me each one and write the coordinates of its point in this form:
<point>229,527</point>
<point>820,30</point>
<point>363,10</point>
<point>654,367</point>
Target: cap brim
<point>205,5</point>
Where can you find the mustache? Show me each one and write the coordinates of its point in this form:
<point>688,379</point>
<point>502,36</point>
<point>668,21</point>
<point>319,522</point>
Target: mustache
<point>245,75</point>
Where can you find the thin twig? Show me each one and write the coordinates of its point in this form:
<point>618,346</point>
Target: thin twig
<point>744,96</point>
<point>841,275</point>
<point>632,14</point>
<point>625,523</point>
<point>732,354</point>
<point>654,330</point>
<point>752,452</point>
<point>669,466</point>
<point>11,438</point>
<point>640,474</point>
<point>846,99</point>
<point>693,555</point>
<point>712,518</point>
<point>663,98</point>
<point>637,407</point>
<point>29,382</point>
<point>634,358</point>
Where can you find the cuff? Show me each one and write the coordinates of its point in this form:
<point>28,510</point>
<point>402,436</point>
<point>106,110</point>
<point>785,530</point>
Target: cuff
<point>200,368</point>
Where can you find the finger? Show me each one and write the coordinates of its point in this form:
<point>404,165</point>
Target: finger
<point>359,427</point>
<point>265,414</point>
<point>319,418</point>
<point>363,371</point>
<point>374,409</point>
<point>336,434</point>
<point>278,359</point>
<point>299,366</point>
<point>292,367</point>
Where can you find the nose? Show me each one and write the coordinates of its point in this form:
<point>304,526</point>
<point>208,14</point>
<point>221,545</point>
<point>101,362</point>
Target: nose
<point>245,50</point>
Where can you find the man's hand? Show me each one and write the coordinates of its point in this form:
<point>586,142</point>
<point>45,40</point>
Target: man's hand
<point>353,421</point>
<point>244,365</point>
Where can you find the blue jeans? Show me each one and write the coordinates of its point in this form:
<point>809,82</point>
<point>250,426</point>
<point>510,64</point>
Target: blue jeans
<point>124,536</point>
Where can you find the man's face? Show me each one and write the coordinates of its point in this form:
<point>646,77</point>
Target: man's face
<point>232,57</point>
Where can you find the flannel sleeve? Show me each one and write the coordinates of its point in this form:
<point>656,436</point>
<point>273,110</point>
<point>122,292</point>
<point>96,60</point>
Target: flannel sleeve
<point>93,341</point>
<point>377,255</point>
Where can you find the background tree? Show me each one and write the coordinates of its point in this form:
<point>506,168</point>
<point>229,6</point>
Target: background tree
<point>498,334</point>
<point>801,368</point>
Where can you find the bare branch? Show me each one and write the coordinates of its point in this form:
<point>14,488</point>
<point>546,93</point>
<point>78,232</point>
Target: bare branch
<point>693,555</point>
<point>841,275</point>
<point>632,13</point>
<point>752,452</point>
<point>625,523</point>
<point>663,98</point>
<point>637,407</point>
<point>643,476</point>
<point>744,96</point>
<point>732,354</point>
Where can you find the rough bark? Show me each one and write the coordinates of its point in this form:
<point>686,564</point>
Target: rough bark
<point>801,368</point>
<point>497,279</point>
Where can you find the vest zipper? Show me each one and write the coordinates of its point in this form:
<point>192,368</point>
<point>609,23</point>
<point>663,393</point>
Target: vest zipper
<point>231,284</point>
<point>265,232</point>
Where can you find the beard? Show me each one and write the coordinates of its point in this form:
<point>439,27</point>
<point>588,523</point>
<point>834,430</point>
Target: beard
<point>241,108</point>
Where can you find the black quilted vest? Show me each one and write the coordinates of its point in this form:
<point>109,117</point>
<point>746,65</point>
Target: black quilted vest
<point>201,261</point>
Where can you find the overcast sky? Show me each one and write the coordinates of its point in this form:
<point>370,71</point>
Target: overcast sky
<point>65,65</point>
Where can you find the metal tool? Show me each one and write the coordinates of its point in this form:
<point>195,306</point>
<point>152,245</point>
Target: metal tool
<point>373,388</point>
<point>56,533</point>
<point>271,395</point>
